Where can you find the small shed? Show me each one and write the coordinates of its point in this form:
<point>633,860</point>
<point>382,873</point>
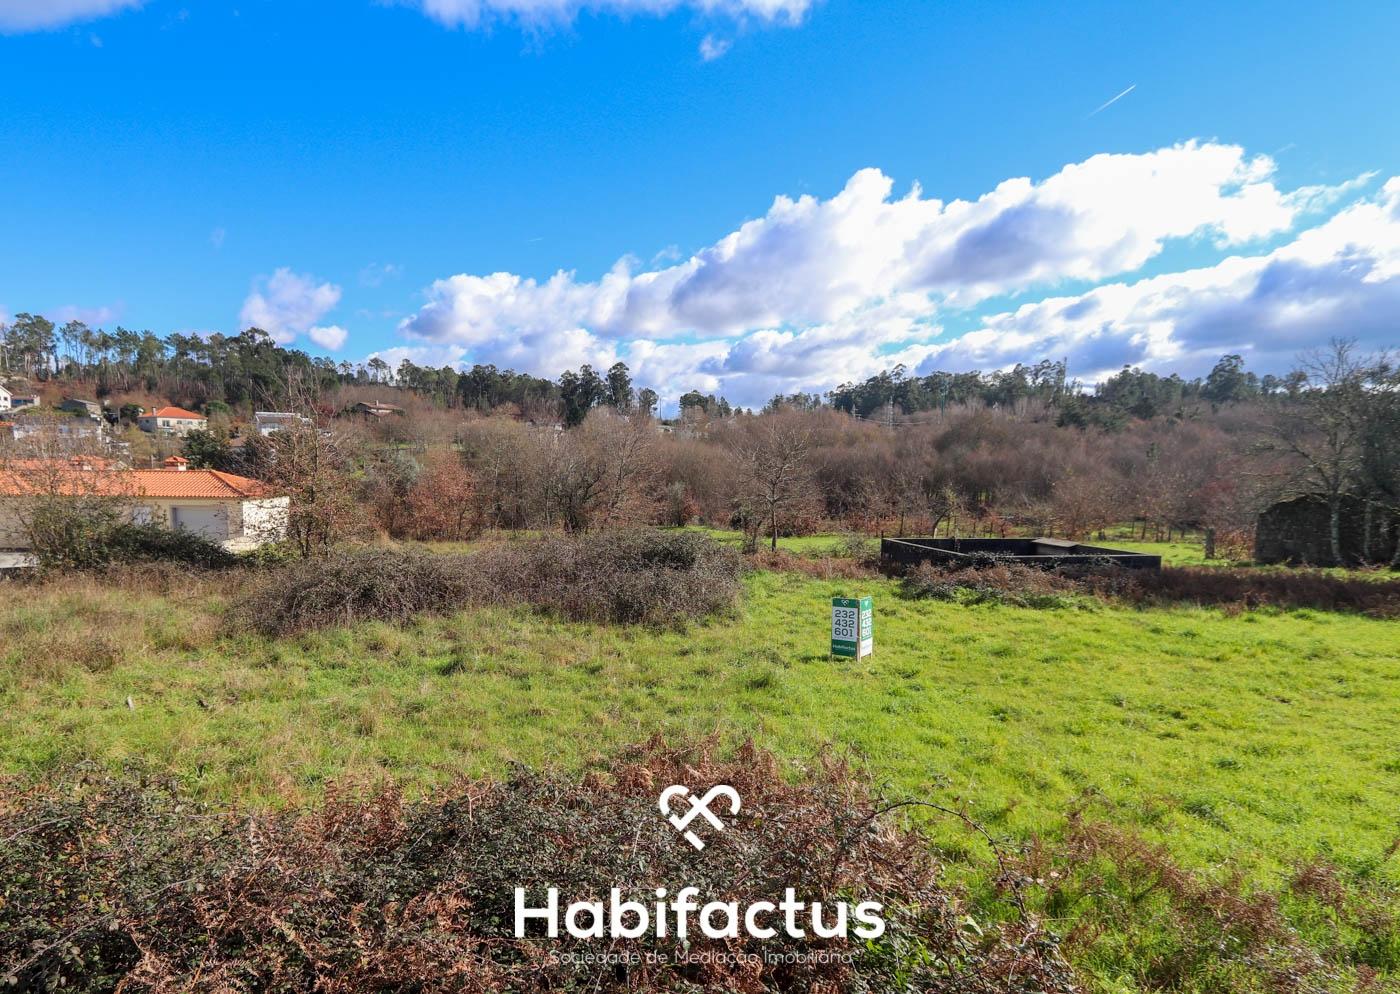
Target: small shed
<point>1299,531</point>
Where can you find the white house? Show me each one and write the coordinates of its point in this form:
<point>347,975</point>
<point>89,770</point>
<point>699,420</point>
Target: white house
<point>171,421</point>
<point>13,396</point>
<point>82,430</point>
<point>271,422</point>
<point>234,511</point>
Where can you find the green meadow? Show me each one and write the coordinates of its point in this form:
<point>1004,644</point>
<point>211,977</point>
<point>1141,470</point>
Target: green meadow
<point>1245,742</point>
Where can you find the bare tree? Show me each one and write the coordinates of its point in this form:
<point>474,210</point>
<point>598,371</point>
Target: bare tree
<point>773,473</point>
<point>1322,431</point>
<point>314,464</point>
<point>622,444</point>
<point>507,460</point>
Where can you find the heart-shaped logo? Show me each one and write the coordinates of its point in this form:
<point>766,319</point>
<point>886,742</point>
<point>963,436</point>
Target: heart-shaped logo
<point>699,807</point>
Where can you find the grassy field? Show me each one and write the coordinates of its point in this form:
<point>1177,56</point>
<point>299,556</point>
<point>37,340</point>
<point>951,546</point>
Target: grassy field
<point>1246,742</point>
<point>1178,553</point>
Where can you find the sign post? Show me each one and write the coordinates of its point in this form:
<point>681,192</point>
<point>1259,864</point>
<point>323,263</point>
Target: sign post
<point>852,627</point>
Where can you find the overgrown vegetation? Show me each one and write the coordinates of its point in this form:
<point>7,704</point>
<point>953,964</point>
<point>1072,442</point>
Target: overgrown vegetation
<point>1237,589</point>
<point>115,884</point>
<point>1140,915</point>
<point>638,576</point>
<point>1259,742</point>
<point>69,537</point>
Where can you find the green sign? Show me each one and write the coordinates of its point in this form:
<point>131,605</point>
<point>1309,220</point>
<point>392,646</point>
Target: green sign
<point>852,627</point>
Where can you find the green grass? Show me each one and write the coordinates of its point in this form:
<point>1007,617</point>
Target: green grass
<point>1248,742</point>
<point>1285,727</point>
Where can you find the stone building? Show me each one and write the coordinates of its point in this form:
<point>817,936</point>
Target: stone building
<point>1299,531</point>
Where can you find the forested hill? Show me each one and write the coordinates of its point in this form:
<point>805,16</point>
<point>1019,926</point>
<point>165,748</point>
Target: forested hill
<point>250,370</point>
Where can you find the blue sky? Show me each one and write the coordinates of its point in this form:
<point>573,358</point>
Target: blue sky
<point>355,173</point>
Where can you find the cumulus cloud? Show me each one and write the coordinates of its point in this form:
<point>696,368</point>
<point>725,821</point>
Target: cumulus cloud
<point>534,13</point>
<point>820,291</point>
<point>330,337</point>
<point>809,260</point>
<point>288,304</point>
<point>37,15</point>
<point>1341,278</point>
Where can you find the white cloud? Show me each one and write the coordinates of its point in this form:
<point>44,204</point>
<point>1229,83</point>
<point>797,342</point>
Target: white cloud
<point>288,304</point>
<point>330,337</point>
<point>712,48</point>
<point>216,237</point>
<point>93,316</point>
<point>435,356</point>
<point>817,292</point>
<point>37,15</point>
<point>1339,279</point>
<point>534,13</point>
<point>810,260</point>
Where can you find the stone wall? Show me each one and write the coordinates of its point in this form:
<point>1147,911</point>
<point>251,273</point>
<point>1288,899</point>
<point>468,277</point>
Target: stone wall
<point>1299,531</point>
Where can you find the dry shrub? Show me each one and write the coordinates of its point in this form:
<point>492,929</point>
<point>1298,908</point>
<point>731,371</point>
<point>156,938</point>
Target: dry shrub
<point>381,584</point>
<point>821,567</point>
<point>629,576</point>
<point>1250,588</point>
<point>1234,589</point>
<point>999,583</point>
<point>441,503</point>
<point>123,884</point>
<point>625,577</point>
<point>1142,917</point>
<point>1354,917</point>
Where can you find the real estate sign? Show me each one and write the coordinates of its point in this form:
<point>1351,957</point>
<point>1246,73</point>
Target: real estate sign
<point>852,627</point>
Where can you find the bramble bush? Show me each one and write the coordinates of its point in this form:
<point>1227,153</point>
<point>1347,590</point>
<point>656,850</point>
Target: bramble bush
<point>1237,589</point>
<point>634,576</point>
<point>70,541</point>
<point>998,583</point>
<point>125,884</point>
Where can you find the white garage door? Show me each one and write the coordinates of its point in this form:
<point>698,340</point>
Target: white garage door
<point>209,522</point>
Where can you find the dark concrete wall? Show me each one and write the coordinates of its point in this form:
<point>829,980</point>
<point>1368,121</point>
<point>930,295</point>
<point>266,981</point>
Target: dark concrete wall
<point>985,551</point>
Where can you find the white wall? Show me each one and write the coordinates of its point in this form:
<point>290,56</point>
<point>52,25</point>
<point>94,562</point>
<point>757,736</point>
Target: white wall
<point>265,520</point>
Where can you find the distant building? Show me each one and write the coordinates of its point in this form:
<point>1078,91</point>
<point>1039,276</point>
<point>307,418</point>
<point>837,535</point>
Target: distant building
<point>171,421</point>
<point>17,393</point>
<point>87,408</point>
<point>234,511</point>
<point>1299,531</point>
<point>375,410</point>
<point>271,422</point>
<point>69,429</point>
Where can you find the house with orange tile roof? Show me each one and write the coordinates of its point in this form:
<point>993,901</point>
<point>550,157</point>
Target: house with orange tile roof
<point>171,421</point>
<point>237,512</point>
